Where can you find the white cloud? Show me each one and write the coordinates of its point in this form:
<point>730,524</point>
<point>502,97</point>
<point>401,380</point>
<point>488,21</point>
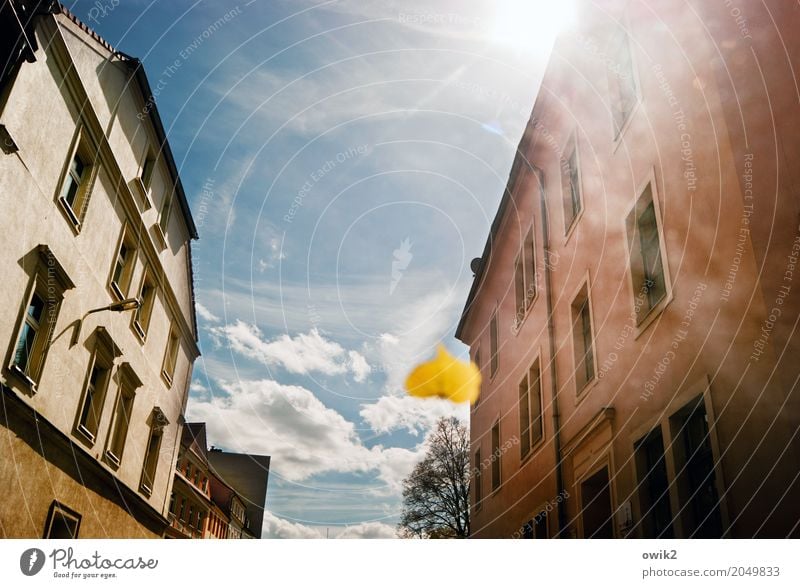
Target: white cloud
<point>359,366</point>
<point>302,354</point>
<point>371,530</point>
<point>276,527</point>
<point>206,314</point>
<point>303,436</point>
<point>416,415</point>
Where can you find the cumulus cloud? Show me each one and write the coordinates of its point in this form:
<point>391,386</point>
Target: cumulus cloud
<point>416,415</point>
<point>206,314</point>
<point>276,527</point>
<point>303,436</point>
<point>371,530</point>
<point>303,354</point>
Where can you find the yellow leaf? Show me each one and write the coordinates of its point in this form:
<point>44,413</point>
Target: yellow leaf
<point>447,377</point>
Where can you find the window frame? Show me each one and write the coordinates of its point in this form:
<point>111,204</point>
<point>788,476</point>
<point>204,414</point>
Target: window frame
<point>158,422</point>
<point>83,148</point>
<point>621,35</point>
<point>571,150</point>
<point>141,317</point>
<point>121,288</point>
<point>526,289</point>
<point>496,453</point>
<point>58,509</point>
<point>654,311</point>
<point>494,343</point>
<point>529,448</point>
<point>171,352</point>
<point>51,292</point>
<point>127,384</point>
<point>105,352</point>
<point>576,311</point>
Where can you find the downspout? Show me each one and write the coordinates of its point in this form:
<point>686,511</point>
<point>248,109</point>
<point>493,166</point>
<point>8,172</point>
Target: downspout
<point>562,515</point>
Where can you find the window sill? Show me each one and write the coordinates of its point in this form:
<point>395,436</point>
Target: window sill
<point>581,395</point>
<point>519,322</point>
<point>572,227</point>
<point>69,214</point>
<point>619,137</point>
<point>27,382</point>
<point>652,315</point>
<point>138,185</point>
<point>532,451</point>
<point>159,237</point>
<point>167,378</point>
<point>112,460</point>
<point>85,435</point>
<point>116,291</point>
<point>146,490</point>
<point>139,331</point>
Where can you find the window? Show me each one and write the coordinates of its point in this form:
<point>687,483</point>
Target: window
<point>31,337</point>
<point>128,382</point>
<point>196,476</point>
<point>96,386</point>
<point>477,479</point>
<point>653,487</point>
<point>147,295</point>
<point>163,215</point>
<point>694,459</point>
<point>172,503</point>
<point>621,81</point>
<point>157,423</point>
<point>582,340</point>
<point>62,522</point>
<point>74,189</point>
<point>536,528</point>
<point>496,456</point>
<point>122,270</point>
<point>525,277</point>
<point>494,335</point>
<point>644,244</point>
<point>39,316</point>
<point>190,518</point>
<point>182,511</point>
<point>571,185</point>
<point>530,410</point>
<point>171,355</point>
<point>148,165</point>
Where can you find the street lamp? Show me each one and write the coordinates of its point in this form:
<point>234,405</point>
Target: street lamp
<point>121,306</point>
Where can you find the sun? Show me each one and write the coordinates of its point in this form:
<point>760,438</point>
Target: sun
<point>530,25</point>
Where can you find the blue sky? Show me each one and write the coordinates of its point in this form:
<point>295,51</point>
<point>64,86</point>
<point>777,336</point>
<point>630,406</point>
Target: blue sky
<point>344,161</point>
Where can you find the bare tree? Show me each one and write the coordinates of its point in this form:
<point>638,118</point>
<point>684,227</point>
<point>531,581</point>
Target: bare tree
<point>436,494</point>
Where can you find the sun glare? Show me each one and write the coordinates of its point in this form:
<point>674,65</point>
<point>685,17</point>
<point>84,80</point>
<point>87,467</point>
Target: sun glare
<point>530,25</point>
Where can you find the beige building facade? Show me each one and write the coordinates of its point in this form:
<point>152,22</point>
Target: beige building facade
<point>635,309</point>
<point>96,302</point>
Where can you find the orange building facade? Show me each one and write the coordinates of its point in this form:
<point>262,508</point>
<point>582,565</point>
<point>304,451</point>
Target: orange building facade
<point>634,313</point>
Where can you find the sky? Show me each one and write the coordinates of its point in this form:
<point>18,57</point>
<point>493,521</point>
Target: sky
<point>343,161</point>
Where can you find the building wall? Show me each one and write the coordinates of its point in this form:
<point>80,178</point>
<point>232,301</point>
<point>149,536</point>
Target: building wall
<point>686,137</point>
<point>42,112</point>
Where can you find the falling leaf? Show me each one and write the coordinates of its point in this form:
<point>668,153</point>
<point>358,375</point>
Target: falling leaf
<point>447,377</point>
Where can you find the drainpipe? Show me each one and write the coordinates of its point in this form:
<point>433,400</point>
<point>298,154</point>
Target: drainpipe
<point>562,515</point>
